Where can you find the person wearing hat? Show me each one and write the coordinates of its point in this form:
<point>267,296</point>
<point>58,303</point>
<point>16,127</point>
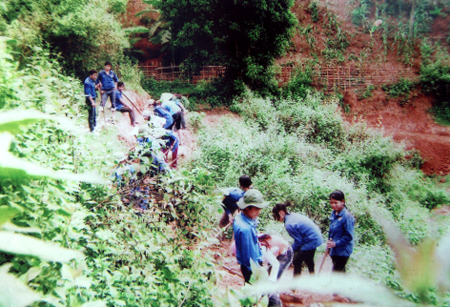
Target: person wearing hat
<point>245,234</point>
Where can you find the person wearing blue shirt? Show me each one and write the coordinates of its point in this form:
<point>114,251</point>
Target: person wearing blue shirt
<point>108,80</point>
<point>90,86</point>
<point>306,235</point>
<point>341,234</point>
<point>161,112</point>
<point>121,105</point>
<point>230,199</point>
<point>175,111</point>
<point>245,234</point>
<point>171,145</point>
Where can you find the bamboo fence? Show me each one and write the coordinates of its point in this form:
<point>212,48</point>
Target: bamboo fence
<point>328,77</point>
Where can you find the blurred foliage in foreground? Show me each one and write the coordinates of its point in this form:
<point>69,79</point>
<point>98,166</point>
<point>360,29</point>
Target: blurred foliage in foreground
<point>66,239</point>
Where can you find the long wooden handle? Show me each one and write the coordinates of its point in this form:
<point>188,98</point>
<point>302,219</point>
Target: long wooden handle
<point>327,252</point>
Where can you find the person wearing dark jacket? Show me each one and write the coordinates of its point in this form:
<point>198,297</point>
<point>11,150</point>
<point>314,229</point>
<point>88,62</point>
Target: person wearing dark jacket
<point>306,235</point>
<point>341,234</point>
<point>90,85</point>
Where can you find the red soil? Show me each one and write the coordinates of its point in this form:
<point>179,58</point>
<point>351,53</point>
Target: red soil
<point>411,124</point>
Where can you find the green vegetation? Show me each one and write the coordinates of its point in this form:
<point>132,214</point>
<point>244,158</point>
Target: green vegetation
<point>83,33</point>
<point>300,150</point>
<point>245,37</point>
<point>435,80</point>
<point>67,239</point>
<point>400,89</point>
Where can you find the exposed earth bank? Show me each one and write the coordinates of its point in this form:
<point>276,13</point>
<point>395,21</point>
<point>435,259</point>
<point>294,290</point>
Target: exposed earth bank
<point>411,124</point>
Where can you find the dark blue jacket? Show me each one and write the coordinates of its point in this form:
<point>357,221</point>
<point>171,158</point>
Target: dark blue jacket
<point>342,229</point>
<point>89,88</point>
<point>108,81</point>
<point>161,112</point>
<point>306,234</point>
<point>230,200</point>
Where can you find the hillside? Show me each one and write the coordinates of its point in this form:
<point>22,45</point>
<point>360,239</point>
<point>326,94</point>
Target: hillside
<point>326,36</point>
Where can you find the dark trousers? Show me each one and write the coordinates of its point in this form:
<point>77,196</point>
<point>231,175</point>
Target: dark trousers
<point>339,263</point>
<point>176,121</point>
<point>92,117</point>
<point>130,112</point>
<point>304,256</point>
<point>111,93</point>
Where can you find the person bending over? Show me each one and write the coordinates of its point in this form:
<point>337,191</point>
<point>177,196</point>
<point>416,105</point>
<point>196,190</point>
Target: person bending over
<point>306,235</point>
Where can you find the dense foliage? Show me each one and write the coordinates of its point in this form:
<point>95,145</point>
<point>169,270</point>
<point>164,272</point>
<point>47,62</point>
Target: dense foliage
<point>84,33</point>
<point>435,80</point>
<point>245,37</point>
<point>66,237</point>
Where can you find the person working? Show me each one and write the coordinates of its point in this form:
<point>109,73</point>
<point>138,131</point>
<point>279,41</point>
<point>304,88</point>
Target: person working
<point>306,235</point>
<point>161,112</point>
<point>122,106</point>
<point>230,199</point>
<point>245,236</point>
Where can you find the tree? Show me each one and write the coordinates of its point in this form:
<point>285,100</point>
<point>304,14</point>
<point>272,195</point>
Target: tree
<point>243,35</point>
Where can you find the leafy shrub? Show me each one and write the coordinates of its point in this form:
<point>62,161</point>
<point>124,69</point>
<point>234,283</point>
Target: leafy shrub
<point>71,28</point>
<point>300,83</point>
<point>400,89</point>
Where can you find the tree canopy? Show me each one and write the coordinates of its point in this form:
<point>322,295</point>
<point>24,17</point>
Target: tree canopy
<point>245,36</point>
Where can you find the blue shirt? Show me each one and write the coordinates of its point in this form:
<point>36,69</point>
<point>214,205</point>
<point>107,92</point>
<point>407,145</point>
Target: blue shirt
<point>342,229</point>
<point>89,88</point>
<point>171,106</point>
<point>247,246</point>
<point>230,201</point>
<point>306,234</point>
<point>119,105</point>
<point>108,81</point>
<point>161,112</point>
<point>171,140</point>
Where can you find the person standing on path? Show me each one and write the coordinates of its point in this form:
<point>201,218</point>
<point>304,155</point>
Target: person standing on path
<point>90,86</point>
<point>306,235</point>
<point>108,80</point>
<point>245,236</point>
<point>122,106</point>
<point>231,197</point>
<point>341,234</point>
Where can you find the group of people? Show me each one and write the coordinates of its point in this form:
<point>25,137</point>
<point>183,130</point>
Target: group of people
<point>307,237</point>
<point>108,84</point>
<point>170,107</point>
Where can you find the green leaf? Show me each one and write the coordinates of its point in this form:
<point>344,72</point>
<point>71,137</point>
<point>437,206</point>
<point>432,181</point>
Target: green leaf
<point>139,29</point>
<point>13,292</point>
<point>12,121</point>
<point>16,168</point>
<point>24,245</point>
<point>7,214</point>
